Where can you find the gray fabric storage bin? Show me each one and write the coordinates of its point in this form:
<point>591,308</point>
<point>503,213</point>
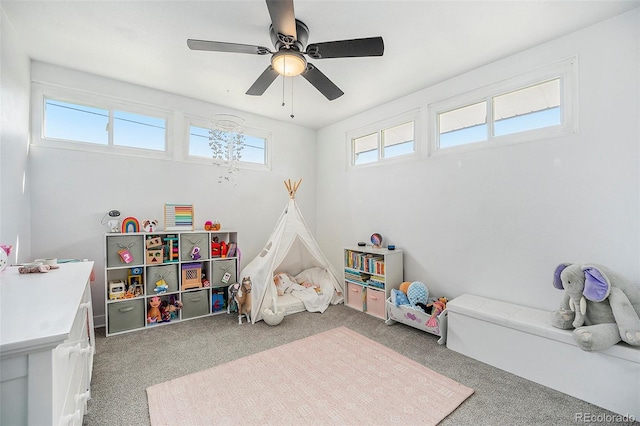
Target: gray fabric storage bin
<point>167,272</point>
<point>188,241</point>
<point>195,303</point>
<point>126,315</point>
<point>133,243</point>
<point>219,268</point>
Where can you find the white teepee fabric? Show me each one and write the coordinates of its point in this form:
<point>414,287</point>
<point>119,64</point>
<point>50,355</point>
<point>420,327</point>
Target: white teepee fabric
<point>291,248</point>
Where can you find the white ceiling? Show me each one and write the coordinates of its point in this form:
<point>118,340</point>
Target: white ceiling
<point>426,41</point>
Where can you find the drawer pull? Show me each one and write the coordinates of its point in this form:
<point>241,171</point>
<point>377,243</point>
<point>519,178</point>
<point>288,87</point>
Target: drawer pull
<point>196,299</point>
<point>82,397</point>
<point>77,349</point>
<point>127,309</point>
<point>375,297</point>
<point>72,418</point>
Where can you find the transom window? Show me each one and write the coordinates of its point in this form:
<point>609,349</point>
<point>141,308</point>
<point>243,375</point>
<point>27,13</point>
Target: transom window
<point>373,145</point>
<point>78,122</point>
<point>535,106</point>
<point>254,147</point>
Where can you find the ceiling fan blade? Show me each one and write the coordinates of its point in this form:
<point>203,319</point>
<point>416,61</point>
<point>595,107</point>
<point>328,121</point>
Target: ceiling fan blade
<point>322,83</point>
<point>355,48</point>
<point>219,46</point>
<point>283,17</point>
<point>263,82</point>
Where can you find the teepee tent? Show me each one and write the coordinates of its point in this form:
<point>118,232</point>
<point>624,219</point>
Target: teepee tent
<point>291,248</point>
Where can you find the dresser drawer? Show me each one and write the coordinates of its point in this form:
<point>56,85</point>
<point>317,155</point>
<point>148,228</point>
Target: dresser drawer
<point>375,303</point>
<point>126,315</point>
<point>356,296</point>
<point>195,303</point>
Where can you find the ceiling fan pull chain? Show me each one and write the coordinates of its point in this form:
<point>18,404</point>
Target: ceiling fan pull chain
<point>292,97</point>
<point>283,79</point>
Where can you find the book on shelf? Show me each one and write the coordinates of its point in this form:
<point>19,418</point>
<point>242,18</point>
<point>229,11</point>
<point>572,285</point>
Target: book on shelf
<point>367,262</point>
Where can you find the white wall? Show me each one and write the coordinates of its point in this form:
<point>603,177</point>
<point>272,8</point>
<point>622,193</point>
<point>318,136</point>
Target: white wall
<point>14,144</point>
<point>72,190</point>
<point>497,222</point>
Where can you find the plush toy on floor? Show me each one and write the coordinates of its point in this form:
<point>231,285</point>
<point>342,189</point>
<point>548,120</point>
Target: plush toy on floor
<point>602,306</point>
<point>241,295</point>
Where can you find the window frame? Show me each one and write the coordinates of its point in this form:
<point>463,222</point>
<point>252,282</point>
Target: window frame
<point>43,91</point>
<point>378,129</point>
<point>565,70</point>
<point>205,123</point>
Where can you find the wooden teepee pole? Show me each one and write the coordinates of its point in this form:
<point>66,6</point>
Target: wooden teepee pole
<point>291,189</point>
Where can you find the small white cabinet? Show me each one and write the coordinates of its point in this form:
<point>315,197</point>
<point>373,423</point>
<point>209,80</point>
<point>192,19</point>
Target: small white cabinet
<point>369,275</point>
<point>47,344</point>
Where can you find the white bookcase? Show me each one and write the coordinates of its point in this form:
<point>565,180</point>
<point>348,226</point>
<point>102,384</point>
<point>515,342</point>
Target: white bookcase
<point>369,275</point>
<point>186,270</point>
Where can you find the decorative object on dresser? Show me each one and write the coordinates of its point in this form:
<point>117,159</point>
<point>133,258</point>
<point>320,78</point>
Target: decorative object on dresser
<point>168,266</point>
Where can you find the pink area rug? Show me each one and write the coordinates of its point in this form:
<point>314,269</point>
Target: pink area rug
<point>337,377</point>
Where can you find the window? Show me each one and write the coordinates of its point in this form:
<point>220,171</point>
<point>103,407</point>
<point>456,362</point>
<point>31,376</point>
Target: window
<point>394,139</point>
<point>76,122</point>
<point>254,147</point>
<point>535,106</point>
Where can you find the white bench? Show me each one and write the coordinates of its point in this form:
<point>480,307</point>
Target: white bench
<point>522,341</point>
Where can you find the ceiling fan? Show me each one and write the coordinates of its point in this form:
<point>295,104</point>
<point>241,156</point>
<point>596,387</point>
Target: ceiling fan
<point>289,36</point>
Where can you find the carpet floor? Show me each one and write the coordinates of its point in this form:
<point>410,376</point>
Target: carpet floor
<point>126,365</point>
<point>336,377</point>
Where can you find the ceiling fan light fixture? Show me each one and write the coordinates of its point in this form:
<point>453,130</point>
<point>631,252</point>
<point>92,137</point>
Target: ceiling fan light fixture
<point>288,63</point>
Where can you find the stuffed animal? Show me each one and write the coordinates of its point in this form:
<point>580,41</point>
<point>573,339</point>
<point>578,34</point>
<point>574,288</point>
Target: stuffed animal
<point>5,251</point>
<point>436,308</point>
<point>599,304</point>
<point>154,315</point>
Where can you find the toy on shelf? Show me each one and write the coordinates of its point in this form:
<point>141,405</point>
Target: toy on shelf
<point>191,273</point>
<point>169,308</point>
<point>205,281</point>
<point>149,225</point>
<point>212,226</point>
<point>178,217</point>
<point>130,224</point>
<point>161,286</point>
<point>218,249</point>
<point>195,253</point>
<point>116,289</point>
<point>134,288</point>
<point>171,252</point>
<point>154,249</point>
<point>217,300</point>
<point>153,313</point>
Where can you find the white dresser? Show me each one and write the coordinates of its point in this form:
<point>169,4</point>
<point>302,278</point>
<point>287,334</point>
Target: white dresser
<point>47,344</point>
